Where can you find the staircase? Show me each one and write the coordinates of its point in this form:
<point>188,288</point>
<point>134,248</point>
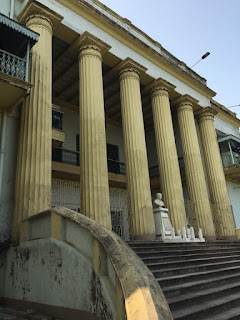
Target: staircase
<point>199,280</point>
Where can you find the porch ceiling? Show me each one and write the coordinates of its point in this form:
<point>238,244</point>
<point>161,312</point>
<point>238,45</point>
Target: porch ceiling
<point>66,84</point>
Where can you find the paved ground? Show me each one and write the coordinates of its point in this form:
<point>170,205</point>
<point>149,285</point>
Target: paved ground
<point>11,314</point>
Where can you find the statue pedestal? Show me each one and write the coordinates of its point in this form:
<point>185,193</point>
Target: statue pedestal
<point>166,233</point>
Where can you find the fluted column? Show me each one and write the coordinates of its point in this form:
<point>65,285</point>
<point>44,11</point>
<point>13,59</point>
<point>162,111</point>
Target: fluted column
<point>222,213</point>
<point>197,189</point>
<point>95,201</point>
<point>169,172</point>
<point>136,155</point>
<point>33,179</point>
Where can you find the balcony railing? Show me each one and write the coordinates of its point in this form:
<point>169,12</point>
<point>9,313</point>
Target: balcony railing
<point>65,156</point>
<point>229,158</point>
<point>115,166</point>
<point>57,119</point>
<point>12,65</point>
<point>154,171</point>
<point>72,157</point>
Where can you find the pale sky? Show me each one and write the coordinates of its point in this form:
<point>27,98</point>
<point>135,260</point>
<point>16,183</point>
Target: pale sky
<point>190,28</point>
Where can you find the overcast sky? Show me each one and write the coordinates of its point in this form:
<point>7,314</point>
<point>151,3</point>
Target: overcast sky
<point>190,28</point>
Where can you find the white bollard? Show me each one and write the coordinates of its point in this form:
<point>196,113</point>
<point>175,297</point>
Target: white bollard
<point>179,234</point>
<point>188,234</point>
<point>173,233</point>
<point>192,233</point>
<point>163,234</point>
<point>184,234</point>
<point>200,234</point>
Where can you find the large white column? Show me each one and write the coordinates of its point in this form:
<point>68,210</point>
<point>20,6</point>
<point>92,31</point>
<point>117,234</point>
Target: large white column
<point>169,172</point>
<point>221,208</point>
<point>197,187</point>
<point>138,182</point>
<point>95,202</point>
<point>33,178</point>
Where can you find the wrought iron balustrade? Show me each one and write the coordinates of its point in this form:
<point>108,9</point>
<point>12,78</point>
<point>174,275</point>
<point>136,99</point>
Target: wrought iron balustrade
<point>65,156</point>
<point>228,158</point>
<point>72,157</point>
<point>57,119</point>
<point>115,166</point>
<point>12,65</point>
<point>154,171</point>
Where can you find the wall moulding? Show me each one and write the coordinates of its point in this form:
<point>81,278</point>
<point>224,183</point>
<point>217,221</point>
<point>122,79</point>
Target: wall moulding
<point>99,19</point>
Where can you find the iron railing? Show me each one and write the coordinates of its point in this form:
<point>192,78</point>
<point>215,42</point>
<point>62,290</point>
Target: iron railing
<point>12,65</point>
<point>72,157</point>
<point>57,119</point>
<point>65,156</point>
<point>154,171</point>
<point>115,166</point>
<point>230,158</point>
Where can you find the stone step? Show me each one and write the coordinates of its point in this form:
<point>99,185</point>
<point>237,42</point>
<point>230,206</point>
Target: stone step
<point>208,309</point>
<point>149,258</point>
<point>194,269</point>
<point>194,286</point>
<point>166,251</point>
<point>158,265</point>
<point>231,314</point>
<point>199,296</point>
<point>195,276</point>
<point>183,245</point>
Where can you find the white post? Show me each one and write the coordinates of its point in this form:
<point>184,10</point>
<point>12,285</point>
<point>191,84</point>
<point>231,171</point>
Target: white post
<point>200,234</point>
<point>173,233</point>
<point>192,233</point>
<point>184,234</point>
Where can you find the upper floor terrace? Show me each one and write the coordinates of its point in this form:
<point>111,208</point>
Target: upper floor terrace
<point>15,44</point>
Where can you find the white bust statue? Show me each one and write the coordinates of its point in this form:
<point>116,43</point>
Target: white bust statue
<point>158,203</point>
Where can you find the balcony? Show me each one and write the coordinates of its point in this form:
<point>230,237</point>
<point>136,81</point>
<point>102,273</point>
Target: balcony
<point>230,154</point>
<point>154,171</point>
<point>58,136</point>
<point>15,45</point>
<point>65,165</point>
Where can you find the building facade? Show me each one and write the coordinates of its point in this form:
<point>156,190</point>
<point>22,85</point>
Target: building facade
<point>107,118</point>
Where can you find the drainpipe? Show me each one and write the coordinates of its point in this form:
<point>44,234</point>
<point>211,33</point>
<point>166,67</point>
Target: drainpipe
<point>2,150</point>
<point>12,5</point>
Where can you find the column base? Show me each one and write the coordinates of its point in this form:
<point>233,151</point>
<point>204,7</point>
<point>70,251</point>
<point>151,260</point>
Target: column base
<point>231,238</point>
<point>210,238</point>
<point>146,237</point>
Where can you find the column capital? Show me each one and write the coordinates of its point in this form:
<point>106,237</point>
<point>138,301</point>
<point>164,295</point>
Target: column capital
<point>159,87</point>
<point>185,102</point>
<point>37,14</point>
<point>206,114</point>
<point>88,44</point>
<point>129,68</point>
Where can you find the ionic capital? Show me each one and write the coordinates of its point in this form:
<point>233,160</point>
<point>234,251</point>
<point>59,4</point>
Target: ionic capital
<point>90,50</point>
<point>89,45</point>
<point>34,14</point>
<point>185,103</point>
<point>206,114</point>
<point>159,91</point>
<point>185,106</point>
<point>39,20</point>
<point>129,73</point>
<point>129,68</point>
<point>159,87</point>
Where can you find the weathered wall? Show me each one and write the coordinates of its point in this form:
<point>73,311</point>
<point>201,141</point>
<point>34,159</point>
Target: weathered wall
<point>51,272</point>
<point>226,127</point>
<point>80,25</point>
<point>234,195</point>
<point>9,172</point>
